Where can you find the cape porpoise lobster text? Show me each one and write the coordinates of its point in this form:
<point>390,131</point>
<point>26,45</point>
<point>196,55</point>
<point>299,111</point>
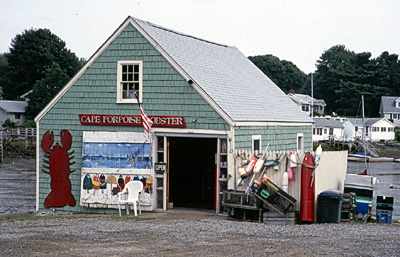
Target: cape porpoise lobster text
<point>131,120</point>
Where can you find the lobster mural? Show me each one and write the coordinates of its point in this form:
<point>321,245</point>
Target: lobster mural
<point>58,160</point>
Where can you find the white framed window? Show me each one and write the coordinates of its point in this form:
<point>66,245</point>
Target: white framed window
<point>300,141</point>
<point>129,81</point>
<point>256,143</point>
<point>383,129</point>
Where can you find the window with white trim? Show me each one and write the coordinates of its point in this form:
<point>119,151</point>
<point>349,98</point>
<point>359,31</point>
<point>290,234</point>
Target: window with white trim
<point>256,143</point>
<point>300,141</point>
<point>129,81</point>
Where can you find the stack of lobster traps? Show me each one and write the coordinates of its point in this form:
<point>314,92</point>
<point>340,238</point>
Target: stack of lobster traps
<point>349,205</point>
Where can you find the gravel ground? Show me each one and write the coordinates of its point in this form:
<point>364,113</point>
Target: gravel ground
<point>193,234</point>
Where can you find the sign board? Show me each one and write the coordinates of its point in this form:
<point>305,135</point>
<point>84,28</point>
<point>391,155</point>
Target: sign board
<point>160,167</point>
<point>131,120</point>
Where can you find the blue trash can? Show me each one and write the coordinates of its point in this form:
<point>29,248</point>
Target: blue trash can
<point>329,206</point>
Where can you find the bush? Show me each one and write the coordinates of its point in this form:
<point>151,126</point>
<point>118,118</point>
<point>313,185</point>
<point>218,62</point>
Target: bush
<point>9,123</point>
<point>397,134</point>
<point>29,124</point>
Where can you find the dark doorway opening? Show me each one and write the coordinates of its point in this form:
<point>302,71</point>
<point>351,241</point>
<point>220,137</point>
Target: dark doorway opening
<point>192,172</point>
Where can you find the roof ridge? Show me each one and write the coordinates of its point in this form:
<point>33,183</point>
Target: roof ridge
<point>178,33</point>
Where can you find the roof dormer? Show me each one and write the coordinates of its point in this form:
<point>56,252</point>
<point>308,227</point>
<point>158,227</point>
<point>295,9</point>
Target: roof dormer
<point>397,103</point>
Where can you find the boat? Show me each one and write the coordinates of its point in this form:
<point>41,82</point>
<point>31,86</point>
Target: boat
<point>361,184</point>
<point>358,157</point>
<point>396,159</point>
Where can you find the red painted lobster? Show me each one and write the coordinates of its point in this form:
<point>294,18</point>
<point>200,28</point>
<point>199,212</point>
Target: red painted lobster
<point>58,160</point>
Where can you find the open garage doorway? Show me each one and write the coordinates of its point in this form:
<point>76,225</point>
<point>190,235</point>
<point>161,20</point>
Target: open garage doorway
<point>192,172</point>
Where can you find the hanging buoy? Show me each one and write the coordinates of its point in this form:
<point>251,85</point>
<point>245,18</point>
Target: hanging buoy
<point>285,182</point>
<point>317,156</point>
<point>307,192</point>
<point>264,178</point>
<point>242,173</point>
<point>252,163</point>
<point>292,168</point>
<point>293,161</point>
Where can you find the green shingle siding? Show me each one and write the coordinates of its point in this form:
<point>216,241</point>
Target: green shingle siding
<point>280,138</point>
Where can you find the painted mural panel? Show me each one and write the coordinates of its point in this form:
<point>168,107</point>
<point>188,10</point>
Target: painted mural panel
<point>117,155</point>
<point>109,161</point>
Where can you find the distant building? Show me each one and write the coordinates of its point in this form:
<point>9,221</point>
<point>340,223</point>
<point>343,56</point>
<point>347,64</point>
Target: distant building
<point>13,110</point>
<point>306,103</point>
<point>327,128</point>
<point>376,129</point>
<point>390,109</point>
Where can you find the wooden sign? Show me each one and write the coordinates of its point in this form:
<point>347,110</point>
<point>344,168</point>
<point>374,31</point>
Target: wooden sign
<point>131,120</point>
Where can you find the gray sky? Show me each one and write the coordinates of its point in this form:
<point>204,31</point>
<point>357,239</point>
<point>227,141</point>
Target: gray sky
<point>295,30</point>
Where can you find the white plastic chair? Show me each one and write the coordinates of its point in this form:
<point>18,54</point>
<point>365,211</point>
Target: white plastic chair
<point>132,189</point>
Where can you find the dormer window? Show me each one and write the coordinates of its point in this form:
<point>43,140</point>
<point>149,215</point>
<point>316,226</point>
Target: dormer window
<point>397,103</point>
<point>129,81</point>
<point>305,107</point>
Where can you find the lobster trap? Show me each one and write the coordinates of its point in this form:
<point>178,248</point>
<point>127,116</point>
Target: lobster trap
<point>274,197</point>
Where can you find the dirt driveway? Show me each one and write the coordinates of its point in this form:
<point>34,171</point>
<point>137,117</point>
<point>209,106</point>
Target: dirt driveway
<point>193,234</point>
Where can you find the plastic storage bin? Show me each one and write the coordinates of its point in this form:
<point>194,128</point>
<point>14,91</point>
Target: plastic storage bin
<point>384,217</point>
<point>384,203</point>
<point>329,206</point>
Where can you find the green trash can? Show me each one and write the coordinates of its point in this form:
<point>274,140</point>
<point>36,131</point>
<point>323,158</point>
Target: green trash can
<point>329,206</point>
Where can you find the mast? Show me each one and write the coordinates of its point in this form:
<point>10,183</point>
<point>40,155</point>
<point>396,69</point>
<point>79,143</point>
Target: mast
<point>312,96</point>
<point>364,132</point>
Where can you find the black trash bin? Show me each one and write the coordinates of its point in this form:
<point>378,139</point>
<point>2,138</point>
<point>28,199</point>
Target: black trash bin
<point>329,206</point>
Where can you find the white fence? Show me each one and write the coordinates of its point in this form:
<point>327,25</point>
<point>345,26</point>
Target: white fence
<point>18,132</point>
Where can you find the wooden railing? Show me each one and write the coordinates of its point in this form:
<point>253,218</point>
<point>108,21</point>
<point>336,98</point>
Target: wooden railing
<point>18,132</point>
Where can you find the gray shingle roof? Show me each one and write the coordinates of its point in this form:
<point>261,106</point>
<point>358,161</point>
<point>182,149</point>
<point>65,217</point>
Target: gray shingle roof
<point>368,121</point>
<point>228,77</point>
<point>388,104</point>
<point>13,106</point>
<point>306,99</point>
<point>327,123</point>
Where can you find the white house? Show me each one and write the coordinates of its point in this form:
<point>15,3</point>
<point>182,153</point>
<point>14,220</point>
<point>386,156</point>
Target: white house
<point>327,128</point>
<point>306,103</point>
<point>13,110</point>
<point>390,109</point>
<point>376,129</point>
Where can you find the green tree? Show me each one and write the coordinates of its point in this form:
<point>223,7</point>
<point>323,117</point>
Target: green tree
<point>388,73</point>
<point>283,73</point>
<point>3,69</point>
<point>45,89</point>
<point>343,76</point>
<point>32,53</point>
